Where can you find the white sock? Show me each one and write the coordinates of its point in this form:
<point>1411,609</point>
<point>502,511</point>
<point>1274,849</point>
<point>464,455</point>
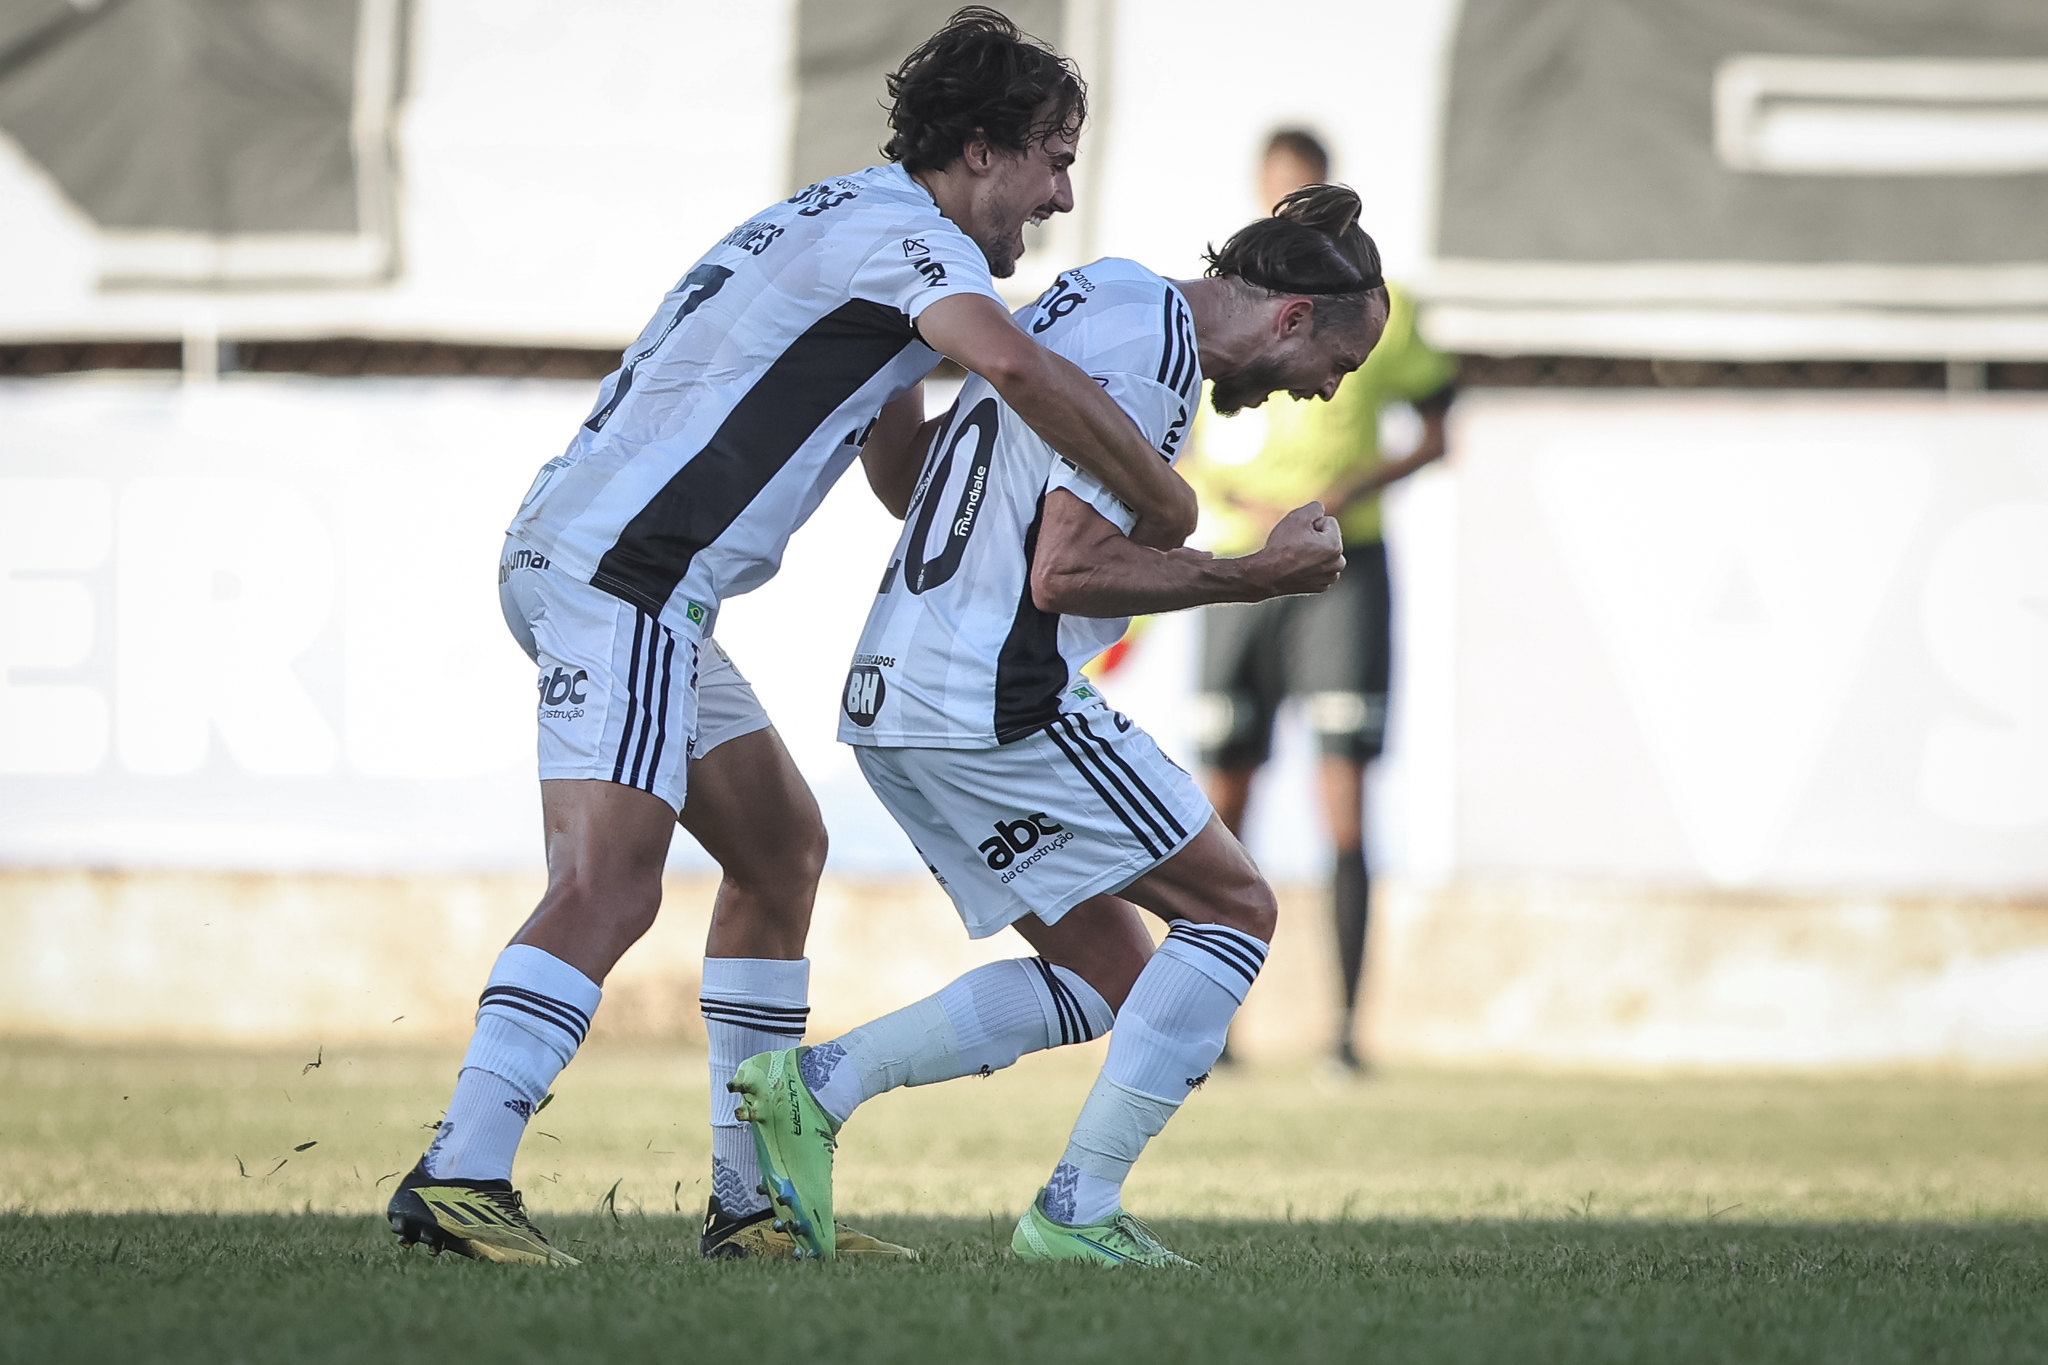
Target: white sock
<point>1168,1034</point>
<point>976,1025</point>
<point>750,1005</point>
<point>529,1022</point>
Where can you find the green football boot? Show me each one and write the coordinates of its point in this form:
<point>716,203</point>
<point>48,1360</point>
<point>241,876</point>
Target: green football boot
<point>794,1138</point>
<point>1119,1239</point>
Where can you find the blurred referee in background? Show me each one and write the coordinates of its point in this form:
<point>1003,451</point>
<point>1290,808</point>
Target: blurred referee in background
<point>1334,651</point>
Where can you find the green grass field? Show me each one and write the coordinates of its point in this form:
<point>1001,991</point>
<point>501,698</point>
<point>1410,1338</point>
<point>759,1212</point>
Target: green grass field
<point>162,1205</point>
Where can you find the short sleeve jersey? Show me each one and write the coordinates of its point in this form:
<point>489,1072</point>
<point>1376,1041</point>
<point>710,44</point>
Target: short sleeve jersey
<point>956,655</point>
<point>1284,453</point>
<point>748,394</point>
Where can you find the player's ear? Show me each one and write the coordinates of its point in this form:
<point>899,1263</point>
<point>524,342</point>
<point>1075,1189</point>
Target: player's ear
<point>976,155</point>
<point>1297,317</point>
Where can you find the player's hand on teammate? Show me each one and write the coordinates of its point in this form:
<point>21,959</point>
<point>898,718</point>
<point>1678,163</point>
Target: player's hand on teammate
<point>1303,554</point>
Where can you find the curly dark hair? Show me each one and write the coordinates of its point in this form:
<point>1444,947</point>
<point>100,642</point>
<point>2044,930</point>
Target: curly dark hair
<point>980,75</point>
<point>1311,245</point>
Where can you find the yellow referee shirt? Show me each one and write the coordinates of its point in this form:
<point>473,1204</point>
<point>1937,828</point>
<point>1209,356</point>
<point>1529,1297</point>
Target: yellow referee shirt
<point>1284,453</point>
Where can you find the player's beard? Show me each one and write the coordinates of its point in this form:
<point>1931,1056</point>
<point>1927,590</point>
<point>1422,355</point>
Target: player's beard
<point>1246,389</point>
<point>1002,256</point>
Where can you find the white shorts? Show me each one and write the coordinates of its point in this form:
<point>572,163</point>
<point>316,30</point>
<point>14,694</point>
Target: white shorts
<point>622,697</point>
<point>1087,805</point>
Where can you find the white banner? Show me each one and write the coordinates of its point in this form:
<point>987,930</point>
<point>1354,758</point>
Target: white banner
<point>1790,641</point>
<point>1780,642</point>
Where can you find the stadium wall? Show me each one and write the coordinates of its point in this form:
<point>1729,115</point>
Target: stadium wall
<point>1480,972</point>
<point>1717,735</point>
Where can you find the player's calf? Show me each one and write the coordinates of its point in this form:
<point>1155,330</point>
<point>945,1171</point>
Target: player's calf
<point>975,1026</point>
<point>1171,1029</point>
<point>606,844</point>
<point>1102,940</point>
<point>1210,880</point>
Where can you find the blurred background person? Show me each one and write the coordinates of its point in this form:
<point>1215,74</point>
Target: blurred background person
<point>1333,652</point>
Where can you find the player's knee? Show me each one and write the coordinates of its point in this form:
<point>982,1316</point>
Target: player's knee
<point>624,900</point>
<point>782,865</point>
<point>807,852</point>
<point>1251,909</point>
<point>799,859</point>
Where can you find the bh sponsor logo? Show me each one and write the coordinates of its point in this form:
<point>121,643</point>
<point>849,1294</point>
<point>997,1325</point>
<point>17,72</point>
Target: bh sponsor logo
<point>1022,842</point>
<point>864,694</point>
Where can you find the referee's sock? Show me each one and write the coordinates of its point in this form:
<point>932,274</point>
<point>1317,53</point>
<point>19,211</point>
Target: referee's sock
<point>1351,884</point>
<point>1169,1033</point>
<point>977,1025</point>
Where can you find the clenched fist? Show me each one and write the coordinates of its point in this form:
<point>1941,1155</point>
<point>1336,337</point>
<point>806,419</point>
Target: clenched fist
<point>1304,553</point>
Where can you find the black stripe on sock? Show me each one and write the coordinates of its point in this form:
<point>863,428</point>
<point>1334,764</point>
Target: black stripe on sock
<point>1055,989</point>
<point>1218,954</point>
<point>1070,1007</point>
<point>1224,931</point>
<point>1235,940</point>
<point>571,1020</point>
<point>506,1003</point>
<point>575,1017</point>
<point>1066,993</point>
<point>1059,738</point>
<point>730,1011</point>
<point>786,1014</point>
<point>781,1023</point>
<point>1228,943</point>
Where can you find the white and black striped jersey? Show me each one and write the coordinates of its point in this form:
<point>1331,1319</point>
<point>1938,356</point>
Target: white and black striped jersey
<point>748,394</point>
<point>956,655</point>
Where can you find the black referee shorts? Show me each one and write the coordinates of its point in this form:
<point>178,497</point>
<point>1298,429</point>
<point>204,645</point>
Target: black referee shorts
<point>1334,651</point>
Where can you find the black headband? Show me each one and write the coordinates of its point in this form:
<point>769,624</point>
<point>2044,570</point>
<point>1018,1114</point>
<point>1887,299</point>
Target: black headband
<point>1321,290</point>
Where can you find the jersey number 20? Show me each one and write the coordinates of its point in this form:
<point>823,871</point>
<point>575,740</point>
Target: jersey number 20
<point>921,575</point>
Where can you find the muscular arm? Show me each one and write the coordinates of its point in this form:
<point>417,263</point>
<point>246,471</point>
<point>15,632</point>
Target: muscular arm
<point>1068,409</point>
<point>894,451</point>
<point>1084,566</point>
